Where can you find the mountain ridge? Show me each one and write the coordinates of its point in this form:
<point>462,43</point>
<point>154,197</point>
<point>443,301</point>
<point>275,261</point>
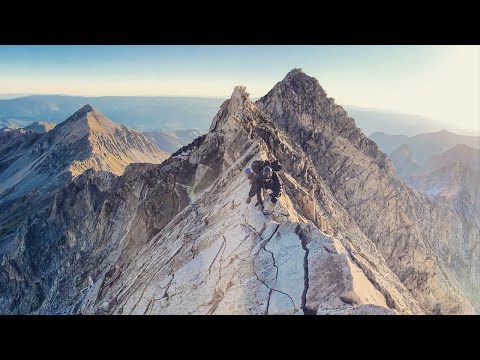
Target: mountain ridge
<point>185,240</point>
<point>178,237</point>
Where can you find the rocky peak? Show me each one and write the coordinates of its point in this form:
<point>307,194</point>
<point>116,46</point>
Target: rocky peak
<point>300,106</point>
<point>297,91</point>
<point>299,100</point>
<point>361,178</point>
<point>404,161</point>
<point>238,98</point>
<point>85,140</point>
<point>234,111</point>
<point>80,112</point>
<point>89,118</point>
<point>295,72</point>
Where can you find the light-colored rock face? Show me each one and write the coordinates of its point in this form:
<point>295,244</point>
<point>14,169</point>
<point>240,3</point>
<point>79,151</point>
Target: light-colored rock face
<point>178,237</point>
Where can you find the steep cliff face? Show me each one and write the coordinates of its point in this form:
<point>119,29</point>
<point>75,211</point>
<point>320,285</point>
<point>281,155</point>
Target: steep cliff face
<point>179,238</point>
<point>403,224</point>
<point>346,236</point>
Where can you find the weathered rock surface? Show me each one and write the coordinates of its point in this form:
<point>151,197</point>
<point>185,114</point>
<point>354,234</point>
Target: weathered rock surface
<point>403,225</point>
<point>179,238</point>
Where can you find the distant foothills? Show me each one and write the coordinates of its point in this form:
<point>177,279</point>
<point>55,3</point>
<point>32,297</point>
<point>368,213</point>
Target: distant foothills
<point>179,113</point>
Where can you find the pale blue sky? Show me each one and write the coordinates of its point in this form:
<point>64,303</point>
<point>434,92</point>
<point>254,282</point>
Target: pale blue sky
<point>441,82</point>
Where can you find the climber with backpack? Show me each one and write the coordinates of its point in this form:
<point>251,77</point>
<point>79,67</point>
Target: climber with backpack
<point>264,177</point>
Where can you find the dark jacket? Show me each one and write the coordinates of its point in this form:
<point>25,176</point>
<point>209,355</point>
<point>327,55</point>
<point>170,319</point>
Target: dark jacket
<point>258,183</point>
<point>274,185</point>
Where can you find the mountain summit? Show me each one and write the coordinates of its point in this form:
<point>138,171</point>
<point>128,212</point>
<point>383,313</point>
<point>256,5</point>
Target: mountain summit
<point>101,144</point>
<point>347,236</point>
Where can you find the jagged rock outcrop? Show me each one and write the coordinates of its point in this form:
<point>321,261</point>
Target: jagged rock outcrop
<point>178,237</point>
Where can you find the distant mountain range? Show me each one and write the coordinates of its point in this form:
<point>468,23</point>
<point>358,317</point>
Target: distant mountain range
<point>445,167</point>
<point>140,113</point>
<point>177,113</point>
<point>424,145</point>
<point>435,163</point>
<point>372,120</point>
<point>453,177</point>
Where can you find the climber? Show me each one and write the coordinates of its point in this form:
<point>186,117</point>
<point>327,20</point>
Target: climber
<point>263,176</point>
<point>272,182</point>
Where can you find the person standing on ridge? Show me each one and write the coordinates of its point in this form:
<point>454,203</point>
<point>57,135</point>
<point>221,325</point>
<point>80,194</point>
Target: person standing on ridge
<point>264,177</point>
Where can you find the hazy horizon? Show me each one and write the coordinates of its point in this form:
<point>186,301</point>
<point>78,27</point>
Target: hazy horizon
<point>438,82</point>
<point>369,119</point>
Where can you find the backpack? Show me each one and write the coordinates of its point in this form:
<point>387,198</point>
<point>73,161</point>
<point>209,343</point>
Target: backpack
<point>276,166</point>
<point>257,166</point>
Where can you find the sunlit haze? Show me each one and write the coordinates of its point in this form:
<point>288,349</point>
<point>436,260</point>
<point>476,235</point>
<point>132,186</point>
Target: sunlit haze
<point>440,82</point>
